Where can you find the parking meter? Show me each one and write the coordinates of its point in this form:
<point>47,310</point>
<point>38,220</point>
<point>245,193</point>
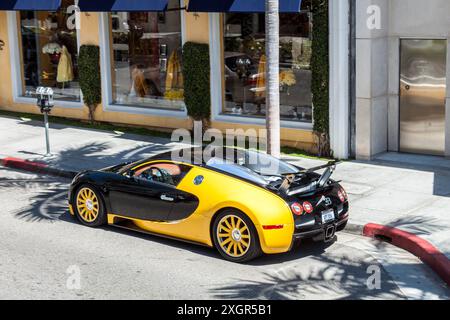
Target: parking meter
<point>45,103</point>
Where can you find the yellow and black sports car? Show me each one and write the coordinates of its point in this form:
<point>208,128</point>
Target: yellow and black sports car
<point>242,202</point>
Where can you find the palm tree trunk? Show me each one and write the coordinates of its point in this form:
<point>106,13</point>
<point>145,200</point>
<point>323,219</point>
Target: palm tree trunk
<point>272,78</point>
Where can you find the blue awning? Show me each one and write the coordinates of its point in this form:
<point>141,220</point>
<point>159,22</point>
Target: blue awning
<point>32,5</point>
<point>122,5</point>
<point>243,6</point>
<point>7,4</point>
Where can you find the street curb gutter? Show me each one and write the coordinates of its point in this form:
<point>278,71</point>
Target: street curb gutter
<point>354,228</point>
<point>36,167</point>
<point>417,246</point>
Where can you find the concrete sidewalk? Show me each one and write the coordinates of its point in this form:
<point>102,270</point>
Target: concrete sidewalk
<point>75,149</point>
<point>411,193</point>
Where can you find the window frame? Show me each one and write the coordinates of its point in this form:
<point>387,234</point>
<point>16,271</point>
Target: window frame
<point>17,66</point>
<point>217,54</point>
<point>105,43</point>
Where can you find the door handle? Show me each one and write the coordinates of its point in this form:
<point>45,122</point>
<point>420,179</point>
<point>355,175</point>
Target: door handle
<point>165,197</point>
<point>407,87</point>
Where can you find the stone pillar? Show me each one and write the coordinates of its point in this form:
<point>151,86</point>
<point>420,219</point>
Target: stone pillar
<point>339,11</point>
<point>372,47</point>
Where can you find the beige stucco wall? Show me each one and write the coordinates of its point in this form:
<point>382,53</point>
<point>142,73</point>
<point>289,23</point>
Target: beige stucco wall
<point>197,30</point>
<point>5,69</point>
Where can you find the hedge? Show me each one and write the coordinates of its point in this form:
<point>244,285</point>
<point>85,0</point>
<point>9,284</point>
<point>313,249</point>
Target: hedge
<point>90,77</point>
<point>196,73</point>
<point>320,66</point>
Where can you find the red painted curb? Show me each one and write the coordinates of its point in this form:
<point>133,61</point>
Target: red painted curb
<point>419,247</point>
<point>23,164</point>
<point>37,167</point>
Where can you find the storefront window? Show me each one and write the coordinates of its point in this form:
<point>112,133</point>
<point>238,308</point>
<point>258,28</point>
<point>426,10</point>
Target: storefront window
<point>50,53</point>
<point>147,59</point>
<point>245,65</point>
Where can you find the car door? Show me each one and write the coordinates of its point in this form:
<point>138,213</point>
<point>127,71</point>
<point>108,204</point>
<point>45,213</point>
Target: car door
<point>140,199</point>
<point>152,200</point>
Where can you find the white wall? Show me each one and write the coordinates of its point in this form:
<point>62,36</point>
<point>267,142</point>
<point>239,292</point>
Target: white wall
<point>339,77</point>
<point>419,18</point>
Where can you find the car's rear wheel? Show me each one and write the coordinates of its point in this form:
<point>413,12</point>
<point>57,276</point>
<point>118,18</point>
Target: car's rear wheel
<point>235,236</point>
<point>89,207</point>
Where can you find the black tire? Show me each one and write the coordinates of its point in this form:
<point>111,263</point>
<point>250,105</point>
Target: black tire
<point>252,251</point>
<point>342,227</point>
<point>101,216</point>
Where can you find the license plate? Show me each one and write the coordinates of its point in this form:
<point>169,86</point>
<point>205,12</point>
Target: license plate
<point>327,216</point>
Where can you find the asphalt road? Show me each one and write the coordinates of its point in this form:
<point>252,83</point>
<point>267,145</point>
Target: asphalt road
<point>45,254</point>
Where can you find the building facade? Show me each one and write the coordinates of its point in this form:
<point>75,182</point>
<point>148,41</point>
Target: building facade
<point>388,76</point>
<point>141,62</point>
<point>402,67</point>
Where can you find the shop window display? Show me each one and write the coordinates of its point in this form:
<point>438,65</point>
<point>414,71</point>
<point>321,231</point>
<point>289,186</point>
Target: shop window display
<point>50,53</point>
<point>245,65</point>
<point>147,59</point>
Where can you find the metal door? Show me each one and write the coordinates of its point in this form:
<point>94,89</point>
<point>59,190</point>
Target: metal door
<point>422,96</point>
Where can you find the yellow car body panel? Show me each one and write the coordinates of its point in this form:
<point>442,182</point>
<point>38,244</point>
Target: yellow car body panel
<point>220,191</point>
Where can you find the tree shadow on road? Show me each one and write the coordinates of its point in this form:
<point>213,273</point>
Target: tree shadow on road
<point>330,276</point>
<point>48,200</point>
<point>46,197</point>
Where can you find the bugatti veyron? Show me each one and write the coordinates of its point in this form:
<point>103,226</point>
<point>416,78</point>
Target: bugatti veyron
<point>242,202</point>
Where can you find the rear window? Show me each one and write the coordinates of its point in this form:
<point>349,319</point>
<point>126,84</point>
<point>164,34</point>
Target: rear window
<point>236,170</point>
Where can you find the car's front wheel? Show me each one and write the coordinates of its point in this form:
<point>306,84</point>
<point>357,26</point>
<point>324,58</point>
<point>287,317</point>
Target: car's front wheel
<point>89,207</point>
<point>235,236</point>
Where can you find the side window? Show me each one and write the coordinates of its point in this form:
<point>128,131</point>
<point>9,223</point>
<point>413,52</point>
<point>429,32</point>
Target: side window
<point>164,172</point>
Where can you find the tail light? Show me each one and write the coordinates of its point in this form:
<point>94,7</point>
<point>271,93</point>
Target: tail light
<point>297,208</point>
<point>307,206</point>
<point>342,195</point>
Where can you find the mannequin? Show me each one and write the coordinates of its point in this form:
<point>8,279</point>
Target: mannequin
<point>65,68</point>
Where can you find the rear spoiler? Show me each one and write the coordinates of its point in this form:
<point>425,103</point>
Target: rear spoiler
<point>331,164</point>
<point>324,178</point>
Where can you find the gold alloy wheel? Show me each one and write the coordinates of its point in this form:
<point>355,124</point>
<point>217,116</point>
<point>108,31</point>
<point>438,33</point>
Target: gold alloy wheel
<point>87,205</point>
<point>233,235</point>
